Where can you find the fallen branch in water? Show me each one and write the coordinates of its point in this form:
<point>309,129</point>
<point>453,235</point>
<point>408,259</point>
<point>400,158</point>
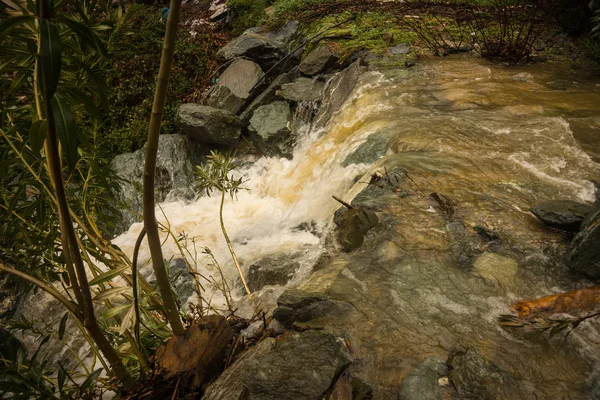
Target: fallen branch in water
<point>342,202</point>
<point>574,302</point>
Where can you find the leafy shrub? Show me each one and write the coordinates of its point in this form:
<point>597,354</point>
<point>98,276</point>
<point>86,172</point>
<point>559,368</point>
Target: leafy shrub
<point>133,78</point>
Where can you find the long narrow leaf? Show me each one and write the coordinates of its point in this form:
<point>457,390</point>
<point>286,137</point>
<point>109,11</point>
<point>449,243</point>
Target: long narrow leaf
<point>37,134</point>
<point>9,24</point>
<point>62,326</point>
<point>66,129</point>
<point>107,276</point>
<point>107,294</point>
<point>50,53</point>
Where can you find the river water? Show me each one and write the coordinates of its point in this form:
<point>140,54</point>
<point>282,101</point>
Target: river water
<point>495,141</point>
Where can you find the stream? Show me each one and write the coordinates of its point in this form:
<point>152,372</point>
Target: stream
<point>494,141</point>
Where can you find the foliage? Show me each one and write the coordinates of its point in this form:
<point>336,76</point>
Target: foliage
<point>215,175</point>
<point>132,78</point>
<point>551,325</point>
<point>247,13</point>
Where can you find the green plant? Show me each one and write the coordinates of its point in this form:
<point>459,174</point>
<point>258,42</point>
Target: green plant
<point>247,13</point>
<point>150,223</point>
<point>214,175</point>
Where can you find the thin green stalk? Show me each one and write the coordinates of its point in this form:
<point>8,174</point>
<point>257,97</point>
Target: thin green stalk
<point>150,222</point>
<point>235,259</point>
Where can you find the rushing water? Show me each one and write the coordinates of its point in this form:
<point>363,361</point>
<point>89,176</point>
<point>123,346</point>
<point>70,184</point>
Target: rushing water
<point>421,285</point>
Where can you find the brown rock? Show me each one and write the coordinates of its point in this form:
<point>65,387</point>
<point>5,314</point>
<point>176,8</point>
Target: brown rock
<point>199,354</point>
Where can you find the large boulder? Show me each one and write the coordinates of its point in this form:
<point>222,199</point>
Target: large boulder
<point>234,86</point>
<point>208,124</point>
<point>562,214</point>
<point>296,307</point>
<point>302,89</point>
<point>474,377</point>
<point>177,157</point>
<point>371,150</point>
<point>265,47</point>
<point>337,92</point>
<point>584,255</point>
<point>270,129</point>
<point>295,366</point>
<point>319,60</point>
<point>268,95</point>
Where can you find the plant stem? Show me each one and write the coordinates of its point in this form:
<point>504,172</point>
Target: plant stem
<point>235,259</point>
<point>150,223</point>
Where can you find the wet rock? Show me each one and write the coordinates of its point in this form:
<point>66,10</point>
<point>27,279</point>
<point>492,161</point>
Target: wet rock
<point>523,77</point>
<point>423,382</point>
<point>561,84</point>
<point>494,267</point>
<point>233,88</point>
<point>319,60</point>
<point>208,124</point>
<point>337,92</point>
<point>375,147</point>
<point>402,48</point>
<point>487,234</point>
<point>366,56</point>
<point>302,89</point>
<point>264,47</point>
<point>350,388</point>
<point>268,95</point>
<point>294,366</point>
<point>562,214</point>
<point>199,354</point>
<point>353,226</point>
<point>475,377</point>
<point>181,279</point>
<point>177,157</point>
<point>276,269</point>
<point>295,306</point>
<point>584,253</point>
<point>270,129</point>
<point>524,110</point>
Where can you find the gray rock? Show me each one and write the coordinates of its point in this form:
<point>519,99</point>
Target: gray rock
<point>370,151</point>
<point>353,226</point>
<point>475,377</point>
<point>181,279</point>
<point>422,382</point>
<point>584,253</point>
<point>270,129</point>
<point>337,92</point>
<point>268,95</point>
<point>319,60</point>
<point>265,47</point>
<point>296,306</point>
<point>561,84</point>
<point>562,214</point>
<point>302,89</point>
<point>177,157</point>
<point>402,48</point>
<point>208,124</point>
<point>233,88</point>
<point>296,366</point>
<point>275,269</point>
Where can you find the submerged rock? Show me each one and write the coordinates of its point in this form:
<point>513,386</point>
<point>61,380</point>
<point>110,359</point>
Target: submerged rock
<point>562,214</point>
<point>233,88</point>
<point>584,254</point>
<point>299,366</point>
<point>337,92</point>
<point>177,157</point>
<point>402,48</point>
<point>302,89</point>
<point>319,60</point>
<point>265,47</point>
<point>494,267</point>
<point>374,148</point>
<point>275,269</point>
<point>475,377</point>
<point>270,129</point>
<point>423,382</point>
<point>209,125</point>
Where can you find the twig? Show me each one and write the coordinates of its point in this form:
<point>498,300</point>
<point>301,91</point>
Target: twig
<point>342,202</point>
